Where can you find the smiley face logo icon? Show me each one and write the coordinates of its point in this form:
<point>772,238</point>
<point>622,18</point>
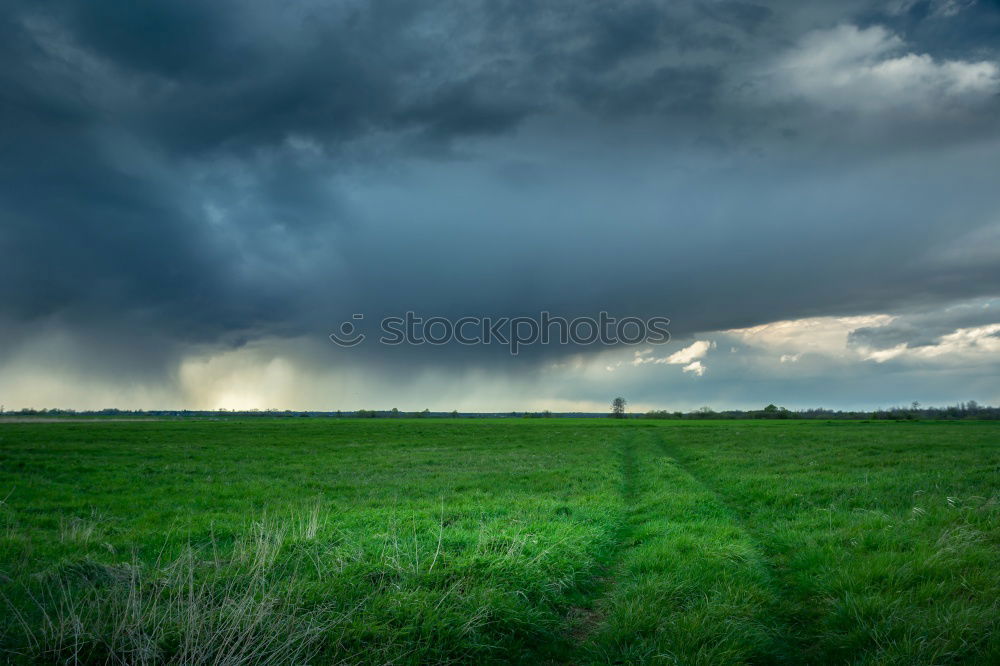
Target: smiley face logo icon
<point>348,336</point>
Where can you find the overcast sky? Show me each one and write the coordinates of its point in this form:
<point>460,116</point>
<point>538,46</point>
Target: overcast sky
<point>194,195</point>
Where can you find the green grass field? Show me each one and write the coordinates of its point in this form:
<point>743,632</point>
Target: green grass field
<point>528,541</point>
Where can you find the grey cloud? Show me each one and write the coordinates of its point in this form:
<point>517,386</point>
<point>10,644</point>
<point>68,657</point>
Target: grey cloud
<point>922,328</point>
<point>952,28</point>
<point>745,15</point>
<point>207,174</point>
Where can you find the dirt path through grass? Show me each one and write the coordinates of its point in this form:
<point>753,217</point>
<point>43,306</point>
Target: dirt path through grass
<point>690,586</point>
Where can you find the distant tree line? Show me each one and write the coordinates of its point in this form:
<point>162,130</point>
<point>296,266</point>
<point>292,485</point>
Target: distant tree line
<point>915,411</point>
<point>963,410</point>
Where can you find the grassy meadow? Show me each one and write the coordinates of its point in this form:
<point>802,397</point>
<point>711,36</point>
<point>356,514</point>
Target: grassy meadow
<point>536,541</point>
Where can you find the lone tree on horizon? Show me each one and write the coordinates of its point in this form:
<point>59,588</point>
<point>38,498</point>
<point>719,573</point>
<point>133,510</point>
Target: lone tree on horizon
<point>618,408</point>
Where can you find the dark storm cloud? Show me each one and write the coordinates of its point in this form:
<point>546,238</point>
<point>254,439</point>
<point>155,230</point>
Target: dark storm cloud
<point>210,173</point>
<point>953,28</point>
<point>745,15</point>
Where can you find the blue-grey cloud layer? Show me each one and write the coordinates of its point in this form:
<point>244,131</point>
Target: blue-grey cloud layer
<point>179,176</point>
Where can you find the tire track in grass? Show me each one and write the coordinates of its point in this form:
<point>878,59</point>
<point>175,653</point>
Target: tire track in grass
<point>792,647</point>
<point>690,586</point>
<point>843,603</point>
<point>586,618</point>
